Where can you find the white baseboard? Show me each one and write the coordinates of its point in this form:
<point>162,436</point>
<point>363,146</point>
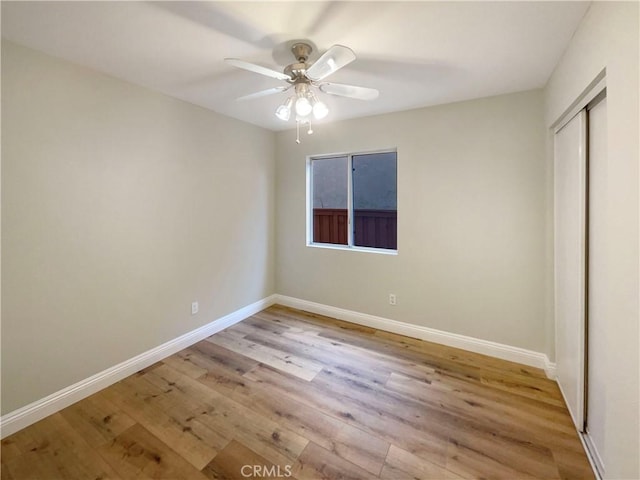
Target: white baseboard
<point>25,416</point>
<point>550,369</point>
<point>485,347</point>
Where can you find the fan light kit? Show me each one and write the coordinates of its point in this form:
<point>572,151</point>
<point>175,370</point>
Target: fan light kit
<point>303,77</point>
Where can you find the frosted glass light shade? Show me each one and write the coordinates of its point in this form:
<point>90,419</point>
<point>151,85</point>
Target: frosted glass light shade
<point>303,106</point>
<point>284,111</point>
<point>320,110</point>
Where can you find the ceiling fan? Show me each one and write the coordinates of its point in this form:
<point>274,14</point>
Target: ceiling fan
<point>304,77</point>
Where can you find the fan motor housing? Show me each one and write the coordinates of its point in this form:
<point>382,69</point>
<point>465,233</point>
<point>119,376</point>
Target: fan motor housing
<point>296,71</point>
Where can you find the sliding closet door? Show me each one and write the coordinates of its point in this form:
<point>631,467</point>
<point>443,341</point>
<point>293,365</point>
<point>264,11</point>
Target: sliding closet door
<point>596,317</point>
<point>570,203</point>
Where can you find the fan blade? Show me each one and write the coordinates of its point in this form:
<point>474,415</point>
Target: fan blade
<point>252,67</point>
<point>333,59</point>
<point>351,91</point>
<point>263,93</point>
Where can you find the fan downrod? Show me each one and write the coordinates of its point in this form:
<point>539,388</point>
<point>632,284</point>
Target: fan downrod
<point>301,51</point>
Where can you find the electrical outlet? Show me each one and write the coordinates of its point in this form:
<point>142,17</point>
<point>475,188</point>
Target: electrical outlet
<point>194,308</point>
<point>392,299</point>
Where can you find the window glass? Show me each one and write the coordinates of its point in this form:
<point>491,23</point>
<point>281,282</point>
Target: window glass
<point>375,200</point>
<point>330,200</point>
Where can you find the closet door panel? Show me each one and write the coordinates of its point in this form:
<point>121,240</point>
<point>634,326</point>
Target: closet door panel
<point>569,243</point>
<point>596,344</point>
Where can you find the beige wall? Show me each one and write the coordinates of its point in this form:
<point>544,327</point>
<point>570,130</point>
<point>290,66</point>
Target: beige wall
<point>608,38</point>
<point>120,206</point>
<point>472,221</point>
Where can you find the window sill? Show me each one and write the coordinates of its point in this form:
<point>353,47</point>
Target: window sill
<point>331,246</point>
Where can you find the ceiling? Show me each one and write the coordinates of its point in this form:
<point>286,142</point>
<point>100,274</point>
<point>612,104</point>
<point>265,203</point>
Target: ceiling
<point>415,53</point>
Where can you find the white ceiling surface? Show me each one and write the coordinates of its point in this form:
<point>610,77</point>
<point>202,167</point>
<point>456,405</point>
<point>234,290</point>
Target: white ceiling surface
<point>415,53</point>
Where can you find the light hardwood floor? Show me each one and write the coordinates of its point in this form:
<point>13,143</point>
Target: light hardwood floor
<point>294,393</point>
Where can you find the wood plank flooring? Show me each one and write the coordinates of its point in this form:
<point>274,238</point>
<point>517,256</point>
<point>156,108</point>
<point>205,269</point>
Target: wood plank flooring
<point>289,394</point>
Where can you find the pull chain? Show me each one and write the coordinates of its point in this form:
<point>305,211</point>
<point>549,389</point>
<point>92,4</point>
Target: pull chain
<point>297,131</point>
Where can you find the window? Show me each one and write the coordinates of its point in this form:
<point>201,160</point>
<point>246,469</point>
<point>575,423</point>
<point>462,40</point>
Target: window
<point>353,200</point>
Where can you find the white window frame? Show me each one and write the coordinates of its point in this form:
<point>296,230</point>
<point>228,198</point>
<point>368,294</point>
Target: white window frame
<point>309,203</point>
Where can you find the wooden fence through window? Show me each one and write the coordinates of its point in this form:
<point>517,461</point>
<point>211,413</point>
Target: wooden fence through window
<point>372,228</point>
